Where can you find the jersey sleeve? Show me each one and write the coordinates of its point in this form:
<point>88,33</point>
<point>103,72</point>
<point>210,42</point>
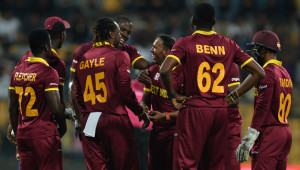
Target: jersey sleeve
<point>51,80</point>
<point>124,83</point>
<point>178,52</point>
<point>241,58</point>
<point>265,90</point>
<point>74,61</point>
<point>234,76</point>
<point>133,53</point>
<point>62,71</point>
<point>11,83</point>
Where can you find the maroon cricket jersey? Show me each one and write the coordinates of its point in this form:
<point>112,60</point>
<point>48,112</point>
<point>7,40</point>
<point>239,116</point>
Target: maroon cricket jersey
<point>273,96</point>
<point>54,61</point>
<point>159,97</point>
<point>82,49</point>
<point>233,113</point>
<point>30,80</point>
<point>103,74</point>
<point>207,59</point>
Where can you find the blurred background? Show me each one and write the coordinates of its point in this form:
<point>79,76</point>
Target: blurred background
<point>236,19</point>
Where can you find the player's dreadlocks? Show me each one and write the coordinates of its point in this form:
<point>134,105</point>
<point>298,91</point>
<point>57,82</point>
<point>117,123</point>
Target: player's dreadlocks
<point>168,40</point>
<point>38,38</point>
<point>102,28</point>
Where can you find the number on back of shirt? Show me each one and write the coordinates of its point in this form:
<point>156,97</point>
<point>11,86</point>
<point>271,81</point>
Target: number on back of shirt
<point>205,76</point>
<point>89,92</point>
<point>284,107</point>
<point>29,91</point>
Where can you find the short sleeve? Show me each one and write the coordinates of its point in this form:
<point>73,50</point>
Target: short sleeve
<point>178,52</point>
<point>133,53</point>
<point>11,83</point>
<point>51,80</point>
<point>240,57</point>
<point>61,70</point>
<point>234,76</point>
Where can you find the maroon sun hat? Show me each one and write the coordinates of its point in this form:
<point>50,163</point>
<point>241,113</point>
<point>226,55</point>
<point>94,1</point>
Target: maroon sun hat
<point>50,21</point>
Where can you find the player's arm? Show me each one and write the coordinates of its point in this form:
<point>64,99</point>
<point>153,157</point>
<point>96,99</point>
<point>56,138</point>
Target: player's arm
<point>146,100</point>
<point>166,77</point>
<point>156,116</point>
<point>55,106</point>
<point>13,109</point>
<point>256,74</point>
<point>126,93</point>
<point>141,64</point>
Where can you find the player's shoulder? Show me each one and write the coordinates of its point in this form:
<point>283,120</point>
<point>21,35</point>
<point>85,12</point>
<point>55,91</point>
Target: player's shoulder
<point>128,47</point>
<point>81,49</point>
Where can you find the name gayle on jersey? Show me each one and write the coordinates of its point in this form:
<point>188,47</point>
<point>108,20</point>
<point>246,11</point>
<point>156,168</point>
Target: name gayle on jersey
<point>19,76</point>
<point>96,62</point>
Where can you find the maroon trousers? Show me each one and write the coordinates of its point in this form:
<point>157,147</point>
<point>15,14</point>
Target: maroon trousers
<point>113,147</point>
<point>271,149</point>
<point>201,140</point>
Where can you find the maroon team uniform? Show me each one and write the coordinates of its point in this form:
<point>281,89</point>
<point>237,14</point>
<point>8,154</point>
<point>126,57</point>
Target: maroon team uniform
<point>162,134</point>
<point>38,140</point>
<point>82,49</point>
<point>273,98</point>
<point>206,59</point>
<point>54,61</point>
<point>103,75</point>
<point>233,126</point>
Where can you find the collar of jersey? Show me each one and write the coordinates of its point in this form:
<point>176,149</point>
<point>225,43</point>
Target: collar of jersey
<point>99,44</point>
<point>204,32</point>
<point>37,59</point>
<point>273,61</point>
<point>52,49</point>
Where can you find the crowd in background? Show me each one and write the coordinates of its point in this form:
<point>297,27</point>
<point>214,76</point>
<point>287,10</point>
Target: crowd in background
<point>236,19</point>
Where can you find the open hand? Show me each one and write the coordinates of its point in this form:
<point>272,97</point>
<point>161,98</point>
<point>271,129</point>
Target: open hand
<point>144,78</point>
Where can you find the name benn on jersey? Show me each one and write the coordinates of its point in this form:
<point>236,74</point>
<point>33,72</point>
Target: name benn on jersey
<point>218,50</point>
<point>91,63</point>
<point>285,82</point>
<point>24,76</point>
<point>158,91</point>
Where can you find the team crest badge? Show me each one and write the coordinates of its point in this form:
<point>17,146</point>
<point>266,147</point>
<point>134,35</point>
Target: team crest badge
<point>156,76</point>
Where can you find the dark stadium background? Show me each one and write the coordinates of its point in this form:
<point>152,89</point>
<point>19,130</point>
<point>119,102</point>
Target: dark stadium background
<point>236,19</point>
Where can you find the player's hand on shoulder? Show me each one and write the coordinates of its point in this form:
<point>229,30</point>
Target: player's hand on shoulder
<point>10,135</point>
<point>144,78</point>
<point>156,116</point>
<point>179,101</point>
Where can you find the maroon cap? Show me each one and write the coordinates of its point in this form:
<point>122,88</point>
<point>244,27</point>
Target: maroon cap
<point>268,39</point>
<point>52,20</point>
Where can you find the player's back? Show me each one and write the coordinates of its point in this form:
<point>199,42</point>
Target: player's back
<point>98,79</point>
<point>207,58</point>
<point>278,79</point>
<point>30,80</point>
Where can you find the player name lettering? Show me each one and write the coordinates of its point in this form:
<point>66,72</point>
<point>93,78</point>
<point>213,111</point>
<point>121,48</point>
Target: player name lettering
<point>24,76</point>
<point>159,91</point>
<point>91,63</point>
<point>285,82</point>
<point>218,50</point>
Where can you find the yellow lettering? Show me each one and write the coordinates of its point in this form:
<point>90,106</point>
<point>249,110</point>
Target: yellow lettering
<point>213,50</point>
<point>34,75</point>
<point>91,62</point>
<point>221,50</point>
<point>102,61</point>
<point>86,64</point>
<point>81,66</point>
<point>96,65</point>
<point>199,48</point>
<point>206,49</point>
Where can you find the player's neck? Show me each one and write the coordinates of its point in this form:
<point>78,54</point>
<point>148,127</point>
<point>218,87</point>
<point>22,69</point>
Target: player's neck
<point>55,44</point>
<point>204,29</point>
<point>269,56</point>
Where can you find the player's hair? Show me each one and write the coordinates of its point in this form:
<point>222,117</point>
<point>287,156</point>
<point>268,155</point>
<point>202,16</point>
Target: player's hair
<point>57,29</point>
<point>102,28</point>
<point>122,18</point>
<point>38,38</point>
<point>168,40</point>
<point>204,15</point>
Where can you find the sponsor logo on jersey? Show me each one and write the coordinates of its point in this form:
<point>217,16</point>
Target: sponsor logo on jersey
<point>156,76</point>
<point>128,71</point>
<point>235,79</point>
<point>53,84</point>
<point>262,87</point>
<point>75,61</point>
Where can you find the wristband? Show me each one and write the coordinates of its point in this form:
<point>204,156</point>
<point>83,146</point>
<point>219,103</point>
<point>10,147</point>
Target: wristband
<point>168,116</point>
<point>172,95</point>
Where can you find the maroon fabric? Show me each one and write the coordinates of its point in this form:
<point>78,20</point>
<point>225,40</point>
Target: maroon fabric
<point>113,146</point>
<point>196,55</point>
<point>131,51</point>
<point>161,149</point>
<point>112,89</point>
<point>42,124</point>
<point>39,154</point>
<point>271,149</point>
<point>201,131</point>
<point>270,95</point>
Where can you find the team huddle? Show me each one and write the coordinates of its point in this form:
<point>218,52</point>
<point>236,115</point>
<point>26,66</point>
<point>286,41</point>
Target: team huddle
<point>193,87</point>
